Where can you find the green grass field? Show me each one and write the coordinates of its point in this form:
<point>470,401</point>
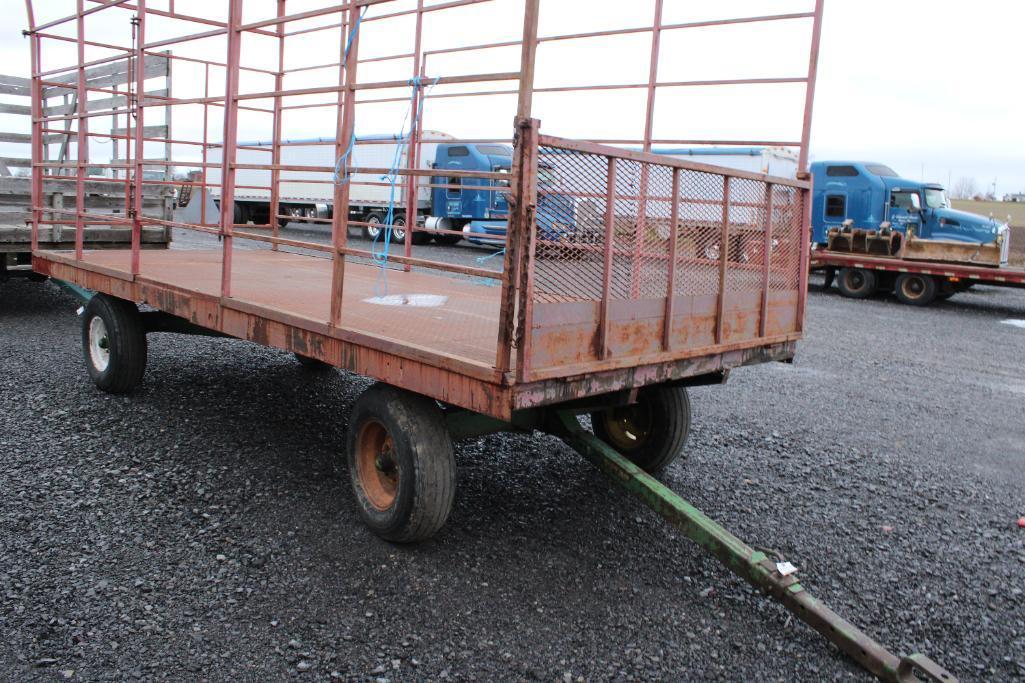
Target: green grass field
<point>1000,210</point>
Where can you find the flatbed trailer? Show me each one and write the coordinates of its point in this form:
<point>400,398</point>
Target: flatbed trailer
<point>917,283</point>
<point>102,185</point>
<point>660,296</point>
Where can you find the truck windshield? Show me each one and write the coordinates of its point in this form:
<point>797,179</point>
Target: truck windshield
<point>936,199</point>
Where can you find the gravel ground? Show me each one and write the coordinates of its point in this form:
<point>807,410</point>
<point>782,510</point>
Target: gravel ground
<point>198,528</point>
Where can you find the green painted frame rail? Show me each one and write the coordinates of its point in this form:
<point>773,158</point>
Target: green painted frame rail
<point>752,565</point>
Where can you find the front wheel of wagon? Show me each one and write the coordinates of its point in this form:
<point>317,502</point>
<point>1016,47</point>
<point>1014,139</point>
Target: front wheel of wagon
<point>650,433</point>
<point>401,463</point>
<point>114,343</point>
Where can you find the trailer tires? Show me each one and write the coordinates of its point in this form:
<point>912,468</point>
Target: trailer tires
<point>915,289</point>
<point>401,463</point>
<point>650,433</point>
<point>114,344</point>
<point>856,283</point>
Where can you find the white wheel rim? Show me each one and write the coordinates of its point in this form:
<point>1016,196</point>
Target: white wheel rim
<point>99,344</point>
<point>372,229</point>
<point>400,234</point>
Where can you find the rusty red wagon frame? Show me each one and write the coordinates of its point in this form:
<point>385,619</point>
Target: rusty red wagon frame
<point>627,275</point>
<point>635,303</point>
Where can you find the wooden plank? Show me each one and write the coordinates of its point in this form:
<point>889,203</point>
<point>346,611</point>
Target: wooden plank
<point>20,109</point>
<point>66,186</point>
<point>16,137</point>
<point>107,103</point>
<point>104,76</point>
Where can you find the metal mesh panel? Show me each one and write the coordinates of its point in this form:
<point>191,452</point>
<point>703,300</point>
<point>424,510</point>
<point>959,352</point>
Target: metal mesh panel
<point>747,235</point>
<point>701,198</point>
<point>570,220</point>
<point>787,217</point>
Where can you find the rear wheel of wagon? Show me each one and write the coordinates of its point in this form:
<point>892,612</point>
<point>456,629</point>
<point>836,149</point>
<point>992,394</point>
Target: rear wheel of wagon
<point>114,343</point>
<point>401,463</point>
<point>650,433</point>
<point>915,289</point>
<point>856,283</point>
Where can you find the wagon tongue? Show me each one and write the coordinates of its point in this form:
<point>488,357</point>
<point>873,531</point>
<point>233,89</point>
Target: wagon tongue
<point>777,578</point>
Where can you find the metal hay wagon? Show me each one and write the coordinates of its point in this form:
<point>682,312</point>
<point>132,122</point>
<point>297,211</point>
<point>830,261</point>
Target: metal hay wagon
<point>626,276</point>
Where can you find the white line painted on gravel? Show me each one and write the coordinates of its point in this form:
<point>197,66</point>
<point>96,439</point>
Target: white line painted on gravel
<point>1015,323</point>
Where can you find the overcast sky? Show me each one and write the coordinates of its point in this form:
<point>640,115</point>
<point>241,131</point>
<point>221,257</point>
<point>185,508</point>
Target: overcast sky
<point>931,86</point>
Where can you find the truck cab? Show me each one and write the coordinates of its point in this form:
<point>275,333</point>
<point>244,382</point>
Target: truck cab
<point>869,194</point>
<point>471,201</point>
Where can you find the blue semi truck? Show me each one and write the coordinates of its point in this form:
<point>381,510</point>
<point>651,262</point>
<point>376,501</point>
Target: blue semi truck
<point>871,194</point>
<point>874,231</point>
<point>442,212</point>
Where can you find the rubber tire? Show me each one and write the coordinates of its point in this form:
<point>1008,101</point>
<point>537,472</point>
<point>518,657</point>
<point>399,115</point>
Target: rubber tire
<point>127,337</point>
<point>671,415</point>
<point>312,365</point>
<point>447,240</point>
<point>424,457</point>
<point>927,296</point>
<point>846,282</point>
<point>366,219</point>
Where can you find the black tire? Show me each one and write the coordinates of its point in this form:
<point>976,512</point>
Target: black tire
<point>650,433</point>
<point>312,365</point>
<point>115,346</point>
<point>240,214</point>
<point>915,289</point>
<point>856,283</point>
<point>376,219</point>
<point>447,240</point>
<point>401,463</point>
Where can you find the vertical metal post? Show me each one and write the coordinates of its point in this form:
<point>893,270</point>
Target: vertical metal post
<point>206,140</point>
<point>804,246</point>
<point>275,174</point>
<point>763,319</point>
<point>674,218</point>
<point>140,144</point>
<point>809,93</point>
<point>649,123</point>
<point>83,136</point>
<point>608,261</point>
<point>345,128</point>
<point>38,111</point>
<point>804,196</point>
<point>520,215</point>
<point>231,86</point>
<point>724,255</point>
<point>528,58</point>
<point>528,245</point>
<point>412,156</point>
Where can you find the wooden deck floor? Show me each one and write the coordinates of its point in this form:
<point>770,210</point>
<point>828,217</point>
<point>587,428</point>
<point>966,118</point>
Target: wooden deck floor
<point>465,324</point>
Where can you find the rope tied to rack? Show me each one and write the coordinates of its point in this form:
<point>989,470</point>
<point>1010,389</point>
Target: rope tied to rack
<point>341,174</point>
<point>380,249</point>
